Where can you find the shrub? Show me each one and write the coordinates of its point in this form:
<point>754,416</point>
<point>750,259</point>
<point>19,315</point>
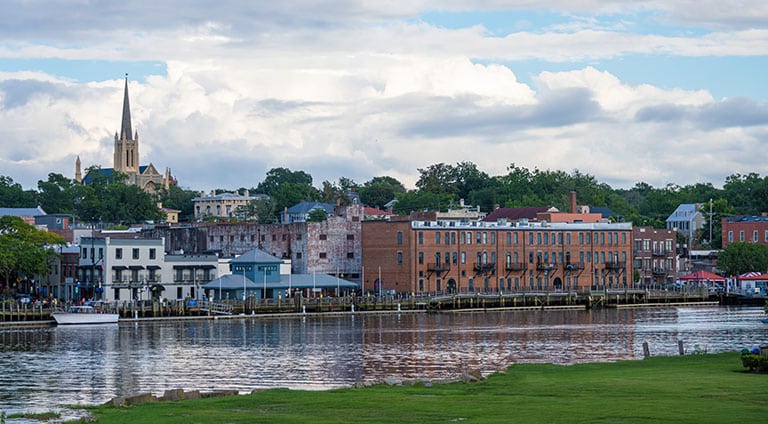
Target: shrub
<point>755,362</point>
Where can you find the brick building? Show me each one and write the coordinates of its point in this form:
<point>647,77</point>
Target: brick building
<point>655,256</point>
<point>332,246</point>
<point>405,255</point>
<point>753,229</point>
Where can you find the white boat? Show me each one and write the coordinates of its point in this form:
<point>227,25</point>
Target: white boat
<point>84,314</point>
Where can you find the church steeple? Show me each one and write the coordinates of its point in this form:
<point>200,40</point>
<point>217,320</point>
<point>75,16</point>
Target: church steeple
<point>126,133</point>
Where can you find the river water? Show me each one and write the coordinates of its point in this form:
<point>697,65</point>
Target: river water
<point>41,368</point>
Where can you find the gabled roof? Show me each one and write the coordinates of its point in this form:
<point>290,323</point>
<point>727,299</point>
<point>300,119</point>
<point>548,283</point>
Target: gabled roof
<point>604,211</point>
<point>38,211</point>
<point>684,212</point>
<point>306,207</point>
<point>231,282</point>
<point>515,214</point>
<point>255,256</point>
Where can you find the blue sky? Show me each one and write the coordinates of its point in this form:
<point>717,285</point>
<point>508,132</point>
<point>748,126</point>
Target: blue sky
<point>642,91</point>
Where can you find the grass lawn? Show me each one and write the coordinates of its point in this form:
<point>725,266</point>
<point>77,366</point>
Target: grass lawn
<point>682,389</point>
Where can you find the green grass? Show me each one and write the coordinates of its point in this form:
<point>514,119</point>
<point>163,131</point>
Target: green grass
<point>683,389</point>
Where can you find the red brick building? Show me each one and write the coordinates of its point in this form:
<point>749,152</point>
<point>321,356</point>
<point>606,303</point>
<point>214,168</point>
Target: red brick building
<point>404,255</point>
<point>655,257</point>
<point>753,229</point>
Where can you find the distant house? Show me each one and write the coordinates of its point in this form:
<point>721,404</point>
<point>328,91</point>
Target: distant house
<point>686,219</point>
<point>222,205</point>
<point>517,214</point>
<point>26,214</point>
<point>753,229</point>
<point>300,212</point>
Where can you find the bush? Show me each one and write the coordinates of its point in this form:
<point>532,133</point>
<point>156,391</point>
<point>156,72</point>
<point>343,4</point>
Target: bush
<point>755,362</point>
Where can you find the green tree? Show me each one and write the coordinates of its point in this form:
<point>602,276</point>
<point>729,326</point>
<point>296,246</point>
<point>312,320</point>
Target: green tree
<point>177,198</point>
<point>24,250</point>
<point>379,191</point>
<point>317,215</point>
<point>279,176</point>
<point>57,194</point>
<point>12,195</point>
<point>740,257</point>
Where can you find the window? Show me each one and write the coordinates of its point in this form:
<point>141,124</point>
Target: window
<point>298,236</point>
<point>350,236</point>
<point>119,253</point>
<point>85,253</point>
<point>242,237</point>
<point>135,253</point>
<point>754,236</point>
<point>350,255</point>
<point>421,258</point>
<point>437,238</point>
<point>741,235</point>
<point>421,237</point>
<point>399,238</point>
<point>152,254</point>
<point>399,258</point>
<point>730,236</point>
<point>323,255</point>
<point>298,255</point>
<point>323,237</point>
<point>274,237</point>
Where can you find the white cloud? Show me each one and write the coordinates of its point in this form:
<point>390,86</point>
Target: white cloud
<point>364,89</point>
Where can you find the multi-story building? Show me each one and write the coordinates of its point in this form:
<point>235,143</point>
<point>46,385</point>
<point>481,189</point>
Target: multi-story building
<point>223,205</point>
<point>687,219</point>
<point>753,229</point>
<point>404,255</point>
<point>332,246</point>
<point>655,255</point>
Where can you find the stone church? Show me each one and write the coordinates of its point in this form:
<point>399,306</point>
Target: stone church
<point>126,159</point>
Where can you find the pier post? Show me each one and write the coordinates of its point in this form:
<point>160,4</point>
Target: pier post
<point>646,350</point>
<point>680,348</point>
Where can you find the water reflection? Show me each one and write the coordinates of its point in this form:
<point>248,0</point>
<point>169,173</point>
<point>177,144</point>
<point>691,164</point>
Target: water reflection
<point>44,367</point>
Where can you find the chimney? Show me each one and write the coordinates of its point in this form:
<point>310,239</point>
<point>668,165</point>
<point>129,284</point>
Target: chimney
<point>572,196</point>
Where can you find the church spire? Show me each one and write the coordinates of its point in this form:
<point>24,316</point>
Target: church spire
<point>126,133</point>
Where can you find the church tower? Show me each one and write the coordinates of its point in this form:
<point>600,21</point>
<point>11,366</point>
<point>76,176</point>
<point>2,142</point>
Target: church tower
<point>126,157</point>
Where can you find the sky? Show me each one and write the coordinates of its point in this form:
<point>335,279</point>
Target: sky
<point>660,92</point>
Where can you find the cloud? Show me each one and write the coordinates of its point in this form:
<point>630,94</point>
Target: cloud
<point>364,89</point>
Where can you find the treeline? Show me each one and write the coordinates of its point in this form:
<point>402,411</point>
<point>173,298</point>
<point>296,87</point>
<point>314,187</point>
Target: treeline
<point>439,187</point>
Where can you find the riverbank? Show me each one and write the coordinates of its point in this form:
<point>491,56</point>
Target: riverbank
<point>693,388</point>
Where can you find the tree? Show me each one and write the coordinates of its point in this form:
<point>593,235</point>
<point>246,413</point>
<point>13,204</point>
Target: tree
<point>180,199</point>
<point>380,190</point>
<point>279,176</point>
<point>24,250</point>
<point>12,195</point>
<point>740,257</point>
<point>57,194</point>
<point>317,215</point>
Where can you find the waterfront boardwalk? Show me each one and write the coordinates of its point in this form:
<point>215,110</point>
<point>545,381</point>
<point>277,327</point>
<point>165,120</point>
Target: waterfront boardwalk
<point>13,312</point>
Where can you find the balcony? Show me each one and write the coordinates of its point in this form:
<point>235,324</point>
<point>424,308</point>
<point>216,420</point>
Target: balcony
<point>516,266</point>
<point>437,267</point>
<point>543,266</point>
<point>661,253</point>
<point>616,265</point>
<point>660,271</point>
<point>484,268</point>
<point>574,266</point>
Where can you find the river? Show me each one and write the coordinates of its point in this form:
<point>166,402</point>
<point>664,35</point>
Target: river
<point>41,368</point>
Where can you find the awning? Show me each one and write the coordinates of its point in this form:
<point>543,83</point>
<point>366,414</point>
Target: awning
<point>119,267</point>
<point>153,267</point>
<point>157,287</point>
<point>136,267</point>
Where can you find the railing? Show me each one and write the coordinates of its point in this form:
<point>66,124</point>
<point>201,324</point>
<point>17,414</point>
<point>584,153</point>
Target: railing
<point>484,268</point>
<point>438,267</point>
<point>616,265</point>
<point>516,266</point>
<point>574,266</point>
<point>543,266</point>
